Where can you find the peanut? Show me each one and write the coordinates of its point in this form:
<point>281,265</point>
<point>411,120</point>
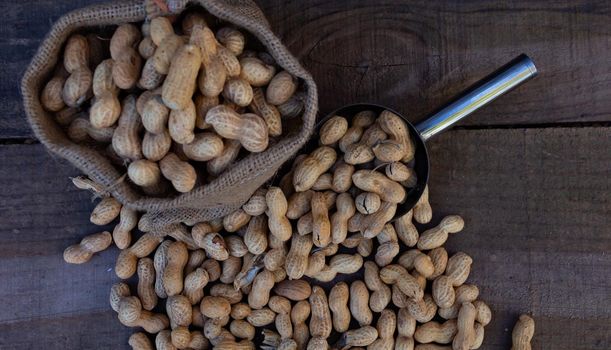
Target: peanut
<point>342,176</point>
<point>255,237</point>
<point>232,39</point>
<point>194,285</point>
<point>236,246</point>
<point>242,329</point>
<point>240,311</point>
<point>150,79</point>
<point>439,258</point>
<point>81,130</point>
<point>281,88</point>
<point>163,341</point>
<point>179,84</point>
<point>414,258</point>
<point>373,181</point>
<point>523,333</point>
<point>146,283</point>
<point>317,163</point>
<point>215,307</point>
<point>367,202</point>
<point>316,343</point>
<point>435,332</point>
<point>248,128</point>
<point>365,247</point>
<point>106,108</point>
<point>131,315</point>
<point>371,225</point>
<point>230,61</point>
<point>484,315</point>
<point>333,130</point>
<point>182,174</point>
<point>422,310</point>
<point>437,236</point>
<point>406,326</point>
<point>321,225</point>
<point>238,91</point>
<point>205,146</point>
<point>212,78</point>
<point>226,291</point>
<point>338,304</point>
<point>359,303</point>
<point>346,263</point>
<point>339,220</point>
<point>277,207</point>
<point>126,140</point>
<point>297,258</point>
<point>261,317</point>
<point>381,293</point>
<point>257,204</point>
<point>478,337</point>
<point>256,72</point>
<point>396,274</point>
<point>121,234</point>
<point>160,261</point>
<point>299,204</point>
<point>156,146</point>
<point>299,314</point>
<point>458,268</point>
<point>177,256</point>
<point>236,220</point>
<point>363,336</point>
<point>77,87</point>
<point>443,292</point>
<point>387,323</point>
<point>293,107</point>
<point>323,183</point>
<point>465,325</point>
<point>295,290</point>
<point>105,212</point>
<point>213,268</point>
<point>83,252</point>
<point>360,121</point>
<point>275,258</point>
<point>216,166</point>
<point>261,287</point>
<point>398,131</point>
<point>406,231</point>
<point>144,173</point>
<point>231,267</point>
<point>155,115</point>
<point>51,96</point>
<point>139,341</point>
<point>401,173</point>
<point>181,123</point>
<point>211,242</point>
<point>422,210</point>
<point>320,321</point>
<point>202,105</point>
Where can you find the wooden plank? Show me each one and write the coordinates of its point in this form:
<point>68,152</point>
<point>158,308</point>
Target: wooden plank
<point>410,55</point>
<point>414,55</point>
<point>61,306</point>
<point>536,204</point>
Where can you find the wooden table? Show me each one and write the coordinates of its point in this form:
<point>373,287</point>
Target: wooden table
<point>530,174</point>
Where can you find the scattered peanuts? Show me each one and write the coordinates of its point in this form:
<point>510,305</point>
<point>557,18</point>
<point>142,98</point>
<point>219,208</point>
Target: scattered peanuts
<point>198,101</point>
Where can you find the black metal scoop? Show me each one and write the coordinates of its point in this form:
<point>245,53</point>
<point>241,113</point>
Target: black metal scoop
<point>506,78</point>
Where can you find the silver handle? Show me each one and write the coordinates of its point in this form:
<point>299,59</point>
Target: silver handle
<point>514,73</point>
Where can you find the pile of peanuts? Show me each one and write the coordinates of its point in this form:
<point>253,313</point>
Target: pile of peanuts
<point>174,106</point>
<point>251,276</point>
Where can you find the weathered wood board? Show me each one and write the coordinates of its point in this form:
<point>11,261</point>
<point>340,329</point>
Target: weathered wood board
<point>410,55</point>
<point>536,202</point>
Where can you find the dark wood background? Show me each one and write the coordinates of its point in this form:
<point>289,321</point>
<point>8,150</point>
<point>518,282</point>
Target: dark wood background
<point>530,174</point>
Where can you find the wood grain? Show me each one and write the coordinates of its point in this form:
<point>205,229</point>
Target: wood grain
<point>410,55</point>
<point>536,204</point>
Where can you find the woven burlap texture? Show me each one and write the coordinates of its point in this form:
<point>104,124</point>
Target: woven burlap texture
<point>206,202</point>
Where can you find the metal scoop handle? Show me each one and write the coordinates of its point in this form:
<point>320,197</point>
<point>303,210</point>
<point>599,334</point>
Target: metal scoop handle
<point>505,79</point>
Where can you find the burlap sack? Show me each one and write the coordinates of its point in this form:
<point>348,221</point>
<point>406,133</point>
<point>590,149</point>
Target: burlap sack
<point>212,200</point>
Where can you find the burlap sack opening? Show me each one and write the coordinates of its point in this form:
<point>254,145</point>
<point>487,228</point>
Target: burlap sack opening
<point>212,200</point>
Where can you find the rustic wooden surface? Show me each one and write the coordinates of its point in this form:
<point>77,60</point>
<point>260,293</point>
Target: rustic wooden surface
<point>530,173</point>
